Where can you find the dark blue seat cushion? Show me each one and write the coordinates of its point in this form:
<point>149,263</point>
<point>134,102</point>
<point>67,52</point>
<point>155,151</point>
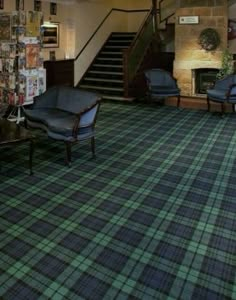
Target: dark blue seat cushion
<point>57,121</point>
<point>164,90</point>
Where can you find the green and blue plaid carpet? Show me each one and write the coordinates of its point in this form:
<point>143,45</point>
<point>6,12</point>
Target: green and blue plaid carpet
<point>152,217</point>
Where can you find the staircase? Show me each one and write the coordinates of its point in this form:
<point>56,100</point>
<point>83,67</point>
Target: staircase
<point>105,75</point>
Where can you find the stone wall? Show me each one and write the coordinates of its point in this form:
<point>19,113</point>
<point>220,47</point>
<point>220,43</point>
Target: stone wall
<point>188,53</point>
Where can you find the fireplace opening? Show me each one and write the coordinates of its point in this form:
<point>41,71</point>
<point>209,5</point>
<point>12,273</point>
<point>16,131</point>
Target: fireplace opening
<point>204,79</point>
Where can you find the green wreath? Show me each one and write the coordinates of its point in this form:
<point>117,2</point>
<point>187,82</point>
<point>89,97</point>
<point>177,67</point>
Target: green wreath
<point>209,39</point>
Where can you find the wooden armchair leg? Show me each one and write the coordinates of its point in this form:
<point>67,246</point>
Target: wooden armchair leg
<point>68,153</point>
<point>178,101</point>
<point>149,98</point>
<point>208,104</point>
<point>25,123</point>
<point>223,108</point>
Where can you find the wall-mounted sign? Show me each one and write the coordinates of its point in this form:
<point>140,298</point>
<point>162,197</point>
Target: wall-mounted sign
<point>189,20</point>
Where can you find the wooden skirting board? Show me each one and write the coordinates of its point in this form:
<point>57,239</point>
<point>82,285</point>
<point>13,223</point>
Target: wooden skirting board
<point>196,103</point>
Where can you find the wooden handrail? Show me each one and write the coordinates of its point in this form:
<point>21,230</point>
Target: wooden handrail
<point>128,52</point>
<point>140,31</point>
<point>176,4</point>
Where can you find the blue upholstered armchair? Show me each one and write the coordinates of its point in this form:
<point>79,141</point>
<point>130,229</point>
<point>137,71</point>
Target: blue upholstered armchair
<point>224,91</point>
<point>161,84</point>
<point>66,114</point>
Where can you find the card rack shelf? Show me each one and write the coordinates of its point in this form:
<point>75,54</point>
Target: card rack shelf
<point>22,75</point>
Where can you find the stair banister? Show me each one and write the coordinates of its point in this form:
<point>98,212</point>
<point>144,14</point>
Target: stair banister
<point>141,41</point>
<point>168,8</point>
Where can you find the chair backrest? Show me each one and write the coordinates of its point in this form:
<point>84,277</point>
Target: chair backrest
<point>66,98</point>
<point>160,77</point>
<point>75,100</point>
<point>48,99</point>
<point>224,83</point>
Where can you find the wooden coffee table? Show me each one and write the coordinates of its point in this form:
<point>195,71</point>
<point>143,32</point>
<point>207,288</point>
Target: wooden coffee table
<point>12,133</point>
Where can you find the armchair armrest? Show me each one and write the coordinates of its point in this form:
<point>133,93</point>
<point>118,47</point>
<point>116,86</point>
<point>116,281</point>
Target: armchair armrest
<point>86,118</point>
<point>231,91</point>
<point>224,83</point>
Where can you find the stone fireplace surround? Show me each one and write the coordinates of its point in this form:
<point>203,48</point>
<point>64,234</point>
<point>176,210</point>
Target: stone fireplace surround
<point>188,53</point>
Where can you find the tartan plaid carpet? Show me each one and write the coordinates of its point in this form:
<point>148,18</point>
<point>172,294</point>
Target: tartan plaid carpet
<point>152,217</point>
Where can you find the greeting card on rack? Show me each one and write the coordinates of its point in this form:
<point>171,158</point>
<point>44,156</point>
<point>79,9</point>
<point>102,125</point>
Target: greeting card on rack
<point>33,23</point>
<point>20,32</point>
<point>32,55</point>
<point>5,27</point>
<point>15,18</point>
<point>21,61</point>
<point>22,17</point>
<point>12,81</point>
<point>12,50</point>
<point>32,87</point>
<point>2,81</point>
<point>21,84</point>
<point>42,81</point>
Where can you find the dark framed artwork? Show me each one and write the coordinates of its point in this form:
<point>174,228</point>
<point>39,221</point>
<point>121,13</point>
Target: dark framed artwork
<point>53,8</point>
<point>51,35</point>
<point>37,5</point>
<point>1,4</point>
<point>19,4</point>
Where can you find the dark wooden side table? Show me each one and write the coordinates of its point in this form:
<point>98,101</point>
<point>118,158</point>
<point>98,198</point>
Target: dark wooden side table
<point>12,133</point>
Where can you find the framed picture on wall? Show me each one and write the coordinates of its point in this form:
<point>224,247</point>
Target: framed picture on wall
<point>1,4</point>
<point>37,5</point>
<point>19,4</point>
<point>51,35</point>
<point>53,8</point>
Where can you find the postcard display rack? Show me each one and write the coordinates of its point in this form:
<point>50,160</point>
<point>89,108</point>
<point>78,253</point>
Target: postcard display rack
<point>22,76</point>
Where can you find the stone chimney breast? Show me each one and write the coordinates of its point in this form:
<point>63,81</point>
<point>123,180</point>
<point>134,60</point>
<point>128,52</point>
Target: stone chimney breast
<point>188,52</point>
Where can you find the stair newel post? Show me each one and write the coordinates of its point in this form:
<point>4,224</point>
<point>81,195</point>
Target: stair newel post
<point>126,72</point>
<point>154,16</point>
<point>156,32</point>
